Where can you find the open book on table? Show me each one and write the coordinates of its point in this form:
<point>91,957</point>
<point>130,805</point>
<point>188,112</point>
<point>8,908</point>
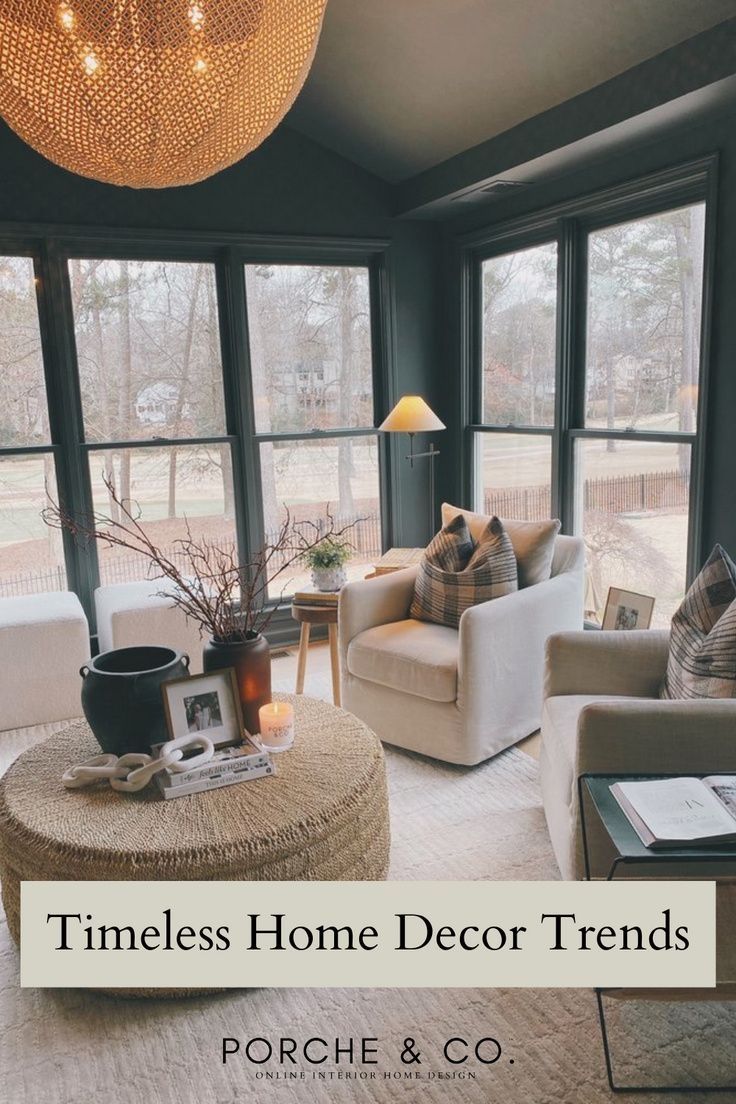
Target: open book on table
<point>680,812</point>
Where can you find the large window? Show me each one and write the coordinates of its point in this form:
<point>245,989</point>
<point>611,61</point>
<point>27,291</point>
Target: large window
<point>519,308</point>
<point>642,376</point>
<point>216,393</point>
<point>148,350</point>
<point>312,372</point>
<point>585,392</point>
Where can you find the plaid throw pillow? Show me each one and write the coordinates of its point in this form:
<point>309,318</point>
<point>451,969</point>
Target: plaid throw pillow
<point>442,595</point>
<point>702,659</point>
<point>452,547</point>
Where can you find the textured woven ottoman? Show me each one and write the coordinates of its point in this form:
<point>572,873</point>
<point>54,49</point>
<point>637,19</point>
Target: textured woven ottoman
<point>324,816</point>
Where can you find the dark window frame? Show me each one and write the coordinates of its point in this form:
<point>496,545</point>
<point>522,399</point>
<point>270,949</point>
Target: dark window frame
<point>569,224</point>
<point>51,246</point>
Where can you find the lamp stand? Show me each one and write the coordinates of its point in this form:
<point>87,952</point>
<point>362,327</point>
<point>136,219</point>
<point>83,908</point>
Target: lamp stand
<point>432,453</point>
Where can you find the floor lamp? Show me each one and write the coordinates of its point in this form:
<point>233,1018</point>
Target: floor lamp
<point>412,415</point>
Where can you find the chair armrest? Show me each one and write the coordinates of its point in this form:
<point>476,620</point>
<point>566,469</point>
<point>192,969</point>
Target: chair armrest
<point>370,602</point>
<point>628,663</point>
<point>505,638</point>
<point>653,735</point>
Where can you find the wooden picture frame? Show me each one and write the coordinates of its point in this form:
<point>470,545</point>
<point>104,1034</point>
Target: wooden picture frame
<point>626,610</point>
<point>207,703</point>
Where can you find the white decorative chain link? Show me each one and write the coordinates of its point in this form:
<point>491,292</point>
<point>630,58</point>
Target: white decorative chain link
<point>130,773</point>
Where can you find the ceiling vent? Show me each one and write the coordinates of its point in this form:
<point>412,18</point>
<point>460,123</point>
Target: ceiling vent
<point>495,190</point>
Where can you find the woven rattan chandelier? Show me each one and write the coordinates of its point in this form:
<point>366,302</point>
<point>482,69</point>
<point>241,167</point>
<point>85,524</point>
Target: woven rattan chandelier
<point>152,93</point>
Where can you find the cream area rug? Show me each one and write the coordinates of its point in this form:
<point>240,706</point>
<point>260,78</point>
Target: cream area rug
<point>73,1047</point>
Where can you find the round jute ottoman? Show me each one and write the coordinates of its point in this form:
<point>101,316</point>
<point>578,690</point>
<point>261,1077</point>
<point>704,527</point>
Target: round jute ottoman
<point>323,816</point>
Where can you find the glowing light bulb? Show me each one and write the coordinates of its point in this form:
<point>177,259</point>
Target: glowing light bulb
<point>91,63</point>
<point>66,17</point>
<point>200,65</point>
<point>196,17</point>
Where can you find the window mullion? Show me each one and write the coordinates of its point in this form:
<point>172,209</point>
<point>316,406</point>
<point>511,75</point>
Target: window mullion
<point>65,419</point>
<point>240,421</point>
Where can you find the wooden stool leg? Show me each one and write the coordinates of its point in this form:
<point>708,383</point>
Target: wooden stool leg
<point>335,663</point>
<point>301,663</point>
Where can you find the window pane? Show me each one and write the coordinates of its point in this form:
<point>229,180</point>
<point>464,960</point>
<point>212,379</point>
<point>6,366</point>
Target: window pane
<point>519,337</point>
<point>514,475</point>
<point>644,308</point>
<point>169,485</point>
<point>148,348</point>
<point>310,346</point>
<point>632,508</point>
<point>31,554</point>
<point>23,415</point>
<point>306,477</point>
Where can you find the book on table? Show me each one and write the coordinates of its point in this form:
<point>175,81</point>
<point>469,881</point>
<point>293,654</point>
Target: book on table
<point>316,597</point>
<point>228,766</point>
<point>680,812</point>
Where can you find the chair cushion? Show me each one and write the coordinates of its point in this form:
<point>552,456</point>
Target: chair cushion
<point>41,609</point>
<point>702,656</point>
<point>533,541</point>
<point>442,596</point>
<point>411,656</point>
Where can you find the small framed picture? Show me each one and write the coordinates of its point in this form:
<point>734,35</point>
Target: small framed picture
<point>205,703</point>
<point>625,609</point>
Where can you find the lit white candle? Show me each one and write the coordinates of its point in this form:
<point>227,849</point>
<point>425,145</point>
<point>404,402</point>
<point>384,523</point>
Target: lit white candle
<point>277,726</point>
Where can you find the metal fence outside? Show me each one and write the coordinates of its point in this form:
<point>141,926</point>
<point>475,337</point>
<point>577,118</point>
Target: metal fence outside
<point>621,494</point>
<point>365,538</point>
<point>617,494</point>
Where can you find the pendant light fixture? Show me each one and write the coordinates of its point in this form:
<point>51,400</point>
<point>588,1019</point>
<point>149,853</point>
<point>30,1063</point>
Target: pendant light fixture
<point>152,93</point>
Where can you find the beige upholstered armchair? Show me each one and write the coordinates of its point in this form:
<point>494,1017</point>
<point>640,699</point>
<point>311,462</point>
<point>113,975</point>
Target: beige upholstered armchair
<point>463,694</point>
<point>602,714</point>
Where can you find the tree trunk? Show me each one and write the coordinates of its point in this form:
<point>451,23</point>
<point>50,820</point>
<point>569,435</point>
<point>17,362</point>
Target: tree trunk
<point>181,397</point>
<point>171,507</point>
<point>346,394</point>
<point>125,393</point>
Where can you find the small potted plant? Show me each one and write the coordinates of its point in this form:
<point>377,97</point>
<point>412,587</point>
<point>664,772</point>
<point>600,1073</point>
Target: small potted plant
<point>327,560</point>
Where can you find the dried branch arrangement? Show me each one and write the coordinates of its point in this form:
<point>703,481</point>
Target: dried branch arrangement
<point>226,598</point>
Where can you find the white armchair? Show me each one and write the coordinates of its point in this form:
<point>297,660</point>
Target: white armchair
<point>460,695</point>
<point>602,715</point>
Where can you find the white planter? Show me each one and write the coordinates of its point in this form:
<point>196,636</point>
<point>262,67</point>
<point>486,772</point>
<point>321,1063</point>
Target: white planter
<point>328,578</point>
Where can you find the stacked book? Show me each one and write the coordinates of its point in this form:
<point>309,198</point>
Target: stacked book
<point>228,766</point>
<point>316,597</point>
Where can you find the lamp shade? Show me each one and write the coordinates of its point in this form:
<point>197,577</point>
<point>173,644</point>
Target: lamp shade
<point>411,415</point>
<point>152,93</point>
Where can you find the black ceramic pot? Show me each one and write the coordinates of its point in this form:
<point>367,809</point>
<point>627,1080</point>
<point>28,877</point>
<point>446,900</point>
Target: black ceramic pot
<point>121,696</point>
<point>251,661</point>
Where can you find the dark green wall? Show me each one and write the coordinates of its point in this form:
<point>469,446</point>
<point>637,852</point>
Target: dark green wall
<point>716,135</point>
<point>290,185</point>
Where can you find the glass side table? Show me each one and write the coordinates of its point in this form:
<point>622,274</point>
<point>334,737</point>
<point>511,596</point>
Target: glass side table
<point>595,790</point>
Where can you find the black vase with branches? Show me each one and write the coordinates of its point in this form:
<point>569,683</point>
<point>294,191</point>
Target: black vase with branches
<point>227,598</point>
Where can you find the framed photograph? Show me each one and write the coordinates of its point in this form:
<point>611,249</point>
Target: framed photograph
<point>625,609</point>
<point>205,703</point>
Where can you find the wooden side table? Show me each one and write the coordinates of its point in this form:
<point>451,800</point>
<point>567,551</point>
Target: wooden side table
<point>317,615</point>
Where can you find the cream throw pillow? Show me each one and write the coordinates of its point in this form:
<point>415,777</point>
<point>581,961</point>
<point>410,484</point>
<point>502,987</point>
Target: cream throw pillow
<point>533,542</point>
